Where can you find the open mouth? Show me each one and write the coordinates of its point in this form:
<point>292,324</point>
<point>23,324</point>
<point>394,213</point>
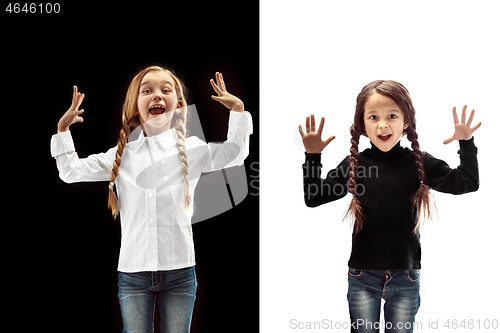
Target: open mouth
<point>156,110</point>
<point>385,137</point>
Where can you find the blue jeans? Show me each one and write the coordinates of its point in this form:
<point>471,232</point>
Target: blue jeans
<point>175,291</point>
<point>399,288</point>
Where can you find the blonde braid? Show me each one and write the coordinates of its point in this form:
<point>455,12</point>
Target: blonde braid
<point>181,134</point>
<point>122,141</point>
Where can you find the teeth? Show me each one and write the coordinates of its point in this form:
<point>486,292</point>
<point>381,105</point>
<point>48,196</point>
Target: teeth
<point>156,107</point>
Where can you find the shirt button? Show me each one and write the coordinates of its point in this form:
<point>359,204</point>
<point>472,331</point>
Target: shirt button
<point>150,195</point>
<point>150,220</point>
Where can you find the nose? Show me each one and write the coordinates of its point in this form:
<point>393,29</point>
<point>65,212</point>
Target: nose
<point>157,97</point>
<point>383,126</point>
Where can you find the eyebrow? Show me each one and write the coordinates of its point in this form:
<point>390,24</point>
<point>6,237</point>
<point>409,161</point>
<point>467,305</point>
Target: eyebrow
<point>163,81</point>
<point>375,111</point>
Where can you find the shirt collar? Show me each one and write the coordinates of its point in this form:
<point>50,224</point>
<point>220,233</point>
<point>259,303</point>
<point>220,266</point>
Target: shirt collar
<point>164,140</point>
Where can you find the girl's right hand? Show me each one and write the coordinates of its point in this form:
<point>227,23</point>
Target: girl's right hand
<point>73,114</point>
<point>312,140</point>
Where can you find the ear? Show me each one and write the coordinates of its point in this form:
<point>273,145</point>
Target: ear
<point>179,105</point>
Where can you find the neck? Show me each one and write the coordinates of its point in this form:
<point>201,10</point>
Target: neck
<point>395,152</point>
<point>151,131</point>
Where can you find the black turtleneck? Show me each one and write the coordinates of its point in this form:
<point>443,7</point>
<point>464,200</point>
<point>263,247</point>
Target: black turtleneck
<point>386,182</point>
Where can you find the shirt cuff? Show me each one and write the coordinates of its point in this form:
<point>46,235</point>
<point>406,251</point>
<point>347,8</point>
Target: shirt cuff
<point>240,122</point>
<point>61,143</point>
<point>314,159</point>
<point>467,145</point>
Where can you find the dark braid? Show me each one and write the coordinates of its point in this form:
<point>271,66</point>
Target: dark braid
<point>354,212</point>
<point>422,198</point>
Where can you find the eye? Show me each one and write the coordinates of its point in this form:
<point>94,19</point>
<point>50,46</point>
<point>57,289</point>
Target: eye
<point>393,116</point>
<point>373,117</point>
<point>166,91</point>
<point>146,91</point>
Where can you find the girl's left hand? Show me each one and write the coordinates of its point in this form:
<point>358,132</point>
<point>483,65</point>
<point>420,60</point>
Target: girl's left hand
<point>463,131</point>
<point>229,101</point>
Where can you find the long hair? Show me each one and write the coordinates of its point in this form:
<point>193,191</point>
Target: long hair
<point>421,200</point>
<point>131,120</point>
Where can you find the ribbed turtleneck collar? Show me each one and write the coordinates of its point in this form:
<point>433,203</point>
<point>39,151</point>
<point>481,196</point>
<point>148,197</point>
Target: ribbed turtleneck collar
<point>396,152</point>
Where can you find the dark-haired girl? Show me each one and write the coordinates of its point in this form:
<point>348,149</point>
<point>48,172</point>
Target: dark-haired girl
<point>390,187</point>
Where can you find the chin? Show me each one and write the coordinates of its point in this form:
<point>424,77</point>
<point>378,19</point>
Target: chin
<point>160,120</point>
<point>384,145</point>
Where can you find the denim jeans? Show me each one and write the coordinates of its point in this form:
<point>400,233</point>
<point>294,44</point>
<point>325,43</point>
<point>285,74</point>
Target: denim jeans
<point>175,291</point>
<point>399,288</point>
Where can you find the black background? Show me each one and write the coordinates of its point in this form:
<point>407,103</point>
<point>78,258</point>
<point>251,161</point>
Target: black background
<point>61,269</point>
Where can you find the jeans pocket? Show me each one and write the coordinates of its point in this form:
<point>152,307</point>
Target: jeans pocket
<point>412,275</point>
<point>183,282</point>
<point>355,273</point>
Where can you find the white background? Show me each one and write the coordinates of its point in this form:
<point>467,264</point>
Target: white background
<point>315,58</point>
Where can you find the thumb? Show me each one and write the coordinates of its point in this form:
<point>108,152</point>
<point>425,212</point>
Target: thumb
<point>450,139</point>
<point>78,118</point>
<point>330,139</point>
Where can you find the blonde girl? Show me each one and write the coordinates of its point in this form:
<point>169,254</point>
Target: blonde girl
<point>154,177</point>
<point>390,187</point>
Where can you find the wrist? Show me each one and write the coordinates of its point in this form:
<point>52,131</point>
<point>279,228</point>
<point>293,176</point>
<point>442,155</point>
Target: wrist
<point>62,128</point>
<point>313,151</point>
<point>238,107</point>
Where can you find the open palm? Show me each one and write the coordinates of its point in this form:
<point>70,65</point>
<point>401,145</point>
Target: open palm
<point>312,139</point>
<point>463,131</point>
<point>73,114</point>
<point>228,100</point>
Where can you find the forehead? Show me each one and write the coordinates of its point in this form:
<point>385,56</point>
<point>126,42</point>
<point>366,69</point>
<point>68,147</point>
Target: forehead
<point>157,77</point>
<point>379,102</point>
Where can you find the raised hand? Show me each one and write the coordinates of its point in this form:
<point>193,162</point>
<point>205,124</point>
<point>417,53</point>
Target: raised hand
<point>312,139</point>
<point>73,114</point>
<point>229,101</point>
<point>463,131</point>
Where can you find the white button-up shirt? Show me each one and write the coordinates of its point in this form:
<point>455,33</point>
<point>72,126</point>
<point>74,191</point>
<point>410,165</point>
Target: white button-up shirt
<point>156,228</point>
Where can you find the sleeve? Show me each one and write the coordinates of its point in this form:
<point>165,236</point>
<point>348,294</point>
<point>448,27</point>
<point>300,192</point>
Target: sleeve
<point>232,152</point>
<point>463,179</point>
<point>318,191</point>
<point>73,169</point>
